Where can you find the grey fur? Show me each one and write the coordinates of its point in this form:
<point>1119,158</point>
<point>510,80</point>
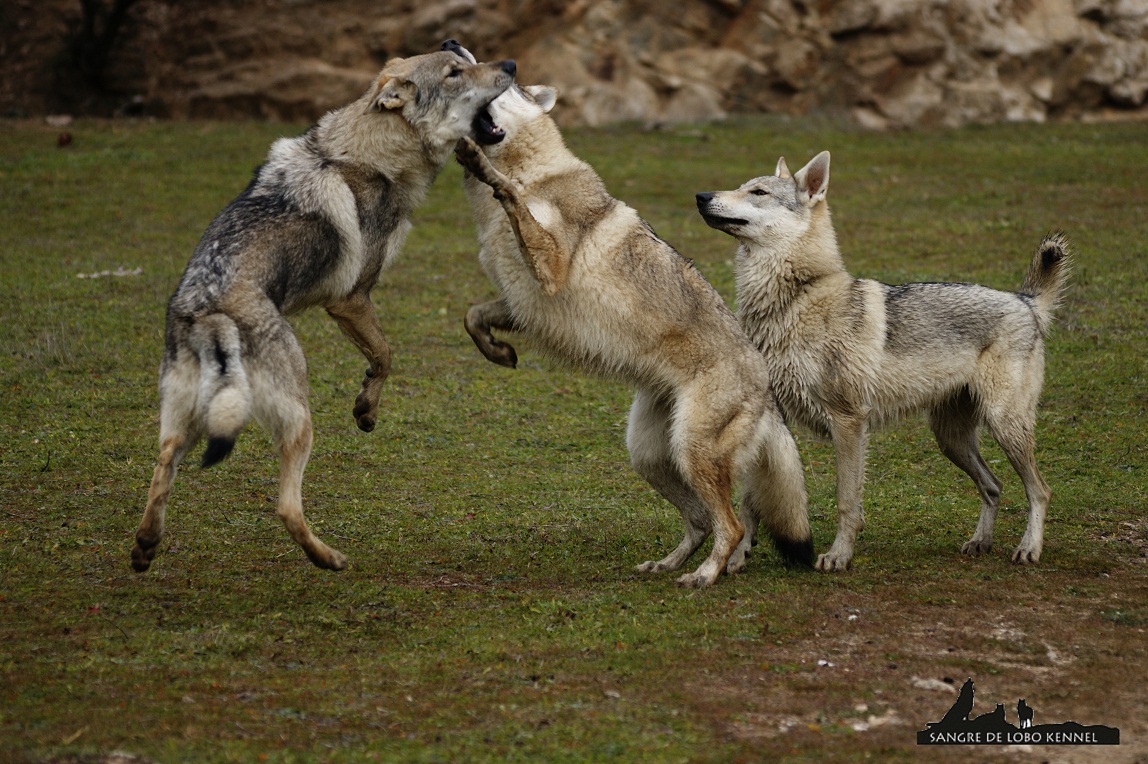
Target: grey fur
<point>321,218</point>
<point>850,354</point>
<point>589,281</point>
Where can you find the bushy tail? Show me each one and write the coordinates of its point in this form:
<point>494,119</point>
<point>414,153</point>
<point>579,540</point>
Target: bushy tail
<point>1047,276</point>
<point>224,393</point>
<point>774,492</point>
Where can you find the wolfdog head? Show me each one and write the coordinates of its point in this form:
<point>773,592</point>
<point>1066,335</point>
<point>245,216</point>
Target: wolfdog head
<point>515,108</point>
<point>772,209</point>
<point>519,109</point>
<point>442,94</point>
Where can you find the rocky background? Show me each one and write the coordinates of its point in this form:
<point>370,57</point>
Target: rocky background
<point>880,63</point>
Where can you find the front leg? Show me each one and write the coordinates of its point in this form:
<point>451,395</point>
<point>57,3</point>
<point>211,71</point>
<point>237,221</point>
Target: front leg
<point>356,317</point>
<point>548,260</point>
<point>480,319</point>
<point>849,439</point>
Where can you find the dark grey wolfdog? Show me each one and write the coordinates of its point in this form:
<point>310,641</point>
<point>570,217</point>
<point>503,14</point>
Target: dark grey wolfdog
<point>320,220</point>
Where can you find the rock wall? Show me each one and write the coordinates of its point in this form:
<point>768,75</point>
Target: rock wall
<point>881,63</point>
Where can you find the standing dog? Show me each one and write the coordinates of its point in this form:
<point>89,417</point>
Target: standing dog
<point>319,221</point>
<point>590,282</point>
<point>847,354</point>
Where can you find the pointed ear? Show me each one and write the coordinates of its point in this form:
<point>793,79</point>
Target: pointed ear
<point>813,179</point>
<point>782,170</point>
<point>544,95</point>
<point>392,93</point>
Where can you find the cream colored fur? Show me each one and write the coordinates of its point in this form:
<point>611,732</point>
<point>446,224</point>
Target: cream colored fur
<point>847,355</point>
<point>584,276</point>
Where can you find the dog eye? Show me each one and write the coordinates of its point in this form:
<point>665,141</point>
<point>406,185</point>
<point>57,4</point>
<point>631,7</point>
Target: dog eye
<point>454,72</point>
<point>759,192</point>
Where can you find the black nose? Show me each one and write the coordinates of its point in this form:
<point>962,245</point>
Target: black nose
<point>508,66</point>
<point>451,45</point>
<point>704,198</point>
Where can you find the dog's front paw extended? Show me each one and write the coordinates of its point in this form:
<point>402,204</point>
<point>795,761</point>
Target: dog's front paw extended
<point>651,566</point>
<point>469,155</point>
<point>833,563</point>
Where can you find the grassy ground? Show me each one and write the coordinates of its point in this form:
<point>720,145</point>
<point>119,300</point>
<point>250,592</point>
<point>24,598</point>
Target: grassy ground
<point>491,611</point>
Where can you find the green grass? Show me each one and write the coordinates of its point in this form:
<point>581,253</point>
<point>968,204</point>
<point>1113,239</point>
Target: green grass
<point>492,520</point>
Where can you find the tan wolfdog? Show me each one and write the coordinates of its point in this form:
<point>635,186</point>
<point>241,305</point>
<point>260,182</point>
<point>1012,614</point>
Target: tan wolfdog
<point>847,354</point>
<point>319,221</point>
<point>588,280</point>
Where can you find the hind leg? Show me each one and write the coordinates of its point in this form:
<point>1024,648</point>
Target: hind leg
<point>714,428</point>
<point>356,316</point>
<point>294,449</point>
<point>955,425</point>
<point>774,494</point>
<point>278,378</point>
<point>172,450</point>
<point>712,480</point>
<point>648,440</point>
<point>1014,433</point>
<point>178,434</point>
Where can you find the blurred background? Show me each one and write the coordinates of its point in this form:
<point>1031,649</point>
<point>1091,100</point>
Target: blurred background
<point>877,63</point>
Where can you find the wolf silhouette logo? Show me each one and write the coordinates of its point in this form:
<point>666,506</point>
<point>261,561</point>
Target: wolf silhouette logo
<point>1024,713</point>
<point>959,727</point>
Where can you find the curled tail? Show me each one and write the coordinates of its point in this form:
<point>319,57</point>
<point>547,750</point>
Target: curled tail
<point>224,394</point>
<point>1047,276</point>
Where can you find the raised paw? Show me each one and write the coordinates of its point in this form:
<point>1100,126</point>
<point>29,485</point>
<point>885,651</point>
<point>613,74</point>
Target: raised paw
<point>141,558</point>
<point>975,547</point>
<point>470,156</point>
<point>143,552</point>
<point>466,151</point>
<point>367,401</point>
<point>498,352</point>
<point>327,558</point>
<point>365,413</point>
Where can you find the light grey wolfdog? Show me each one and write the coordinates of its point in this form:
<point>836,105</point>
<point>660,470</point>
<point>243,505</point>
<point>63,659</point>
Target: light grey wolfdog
<point>321,218</point>
<point>847,354</point>
<point>590,283</point>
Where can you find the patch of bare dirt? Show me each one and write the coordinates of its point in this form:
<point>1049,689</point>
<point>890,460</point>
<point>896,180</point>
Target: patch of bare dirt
<point>878,666</point>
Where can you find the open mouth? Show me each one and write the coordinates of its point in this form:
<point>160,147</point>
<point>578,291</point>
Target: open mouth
<point>485,131</point>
